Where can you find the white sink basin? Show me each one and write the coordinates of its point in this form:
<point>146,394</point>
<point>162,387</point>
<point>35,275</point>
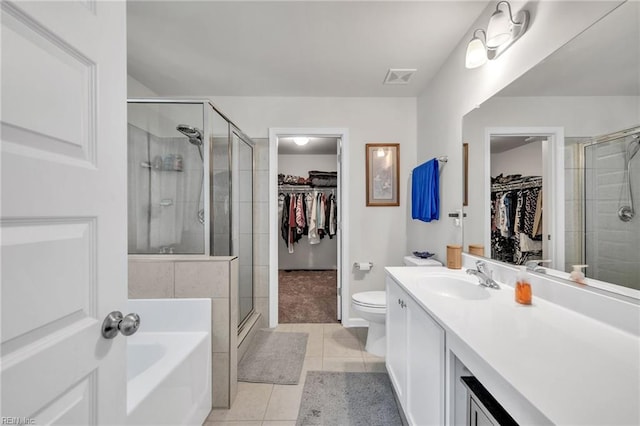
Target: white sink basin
<point>458,287</point>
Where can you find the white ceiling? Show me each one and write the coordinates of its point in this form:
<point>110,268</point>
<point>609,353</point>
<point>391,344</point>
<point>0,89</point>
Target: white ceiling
<point>500,143</point>
<point>602,61</point>
<point>325,146</point>
<point>291,48</point>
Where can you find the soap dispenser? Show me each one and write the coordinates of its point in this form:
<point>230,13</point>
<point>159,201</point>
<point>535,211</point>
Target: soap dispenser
<point>523,287</point>
<point>577,275</point>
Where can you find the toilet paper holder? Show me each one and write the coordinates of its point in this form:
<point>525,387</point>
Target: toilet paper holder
<point>363,266</point>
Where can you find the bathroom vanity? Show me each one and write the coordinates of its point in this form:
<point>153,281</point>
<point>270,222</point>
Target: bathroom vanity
<point>547,363</point>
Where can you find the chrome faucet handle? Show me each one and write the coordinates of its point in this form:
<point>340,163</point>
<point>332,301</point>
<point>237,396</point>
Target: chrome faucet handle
<point>482,266</point>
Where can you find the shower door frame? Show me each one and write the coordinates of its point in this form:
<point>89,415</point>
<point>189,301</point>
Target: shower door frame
<point>233,129</point>
<point>207,164</point>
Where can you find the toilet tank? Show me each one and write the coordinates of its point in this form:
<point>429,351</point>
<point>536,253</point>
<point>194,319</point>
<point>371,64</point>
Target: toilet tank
<point>416,261</point>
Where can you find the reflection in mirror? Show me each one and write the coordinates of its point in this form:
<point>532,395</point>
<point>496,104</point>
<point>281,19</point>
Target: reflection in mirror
<point>574,200</point>
<point>516,198</point>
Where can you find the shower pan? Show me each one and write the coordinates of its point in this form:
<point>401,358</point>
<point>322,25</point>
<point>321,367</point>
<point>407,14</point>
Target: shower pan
<point>190,185</point>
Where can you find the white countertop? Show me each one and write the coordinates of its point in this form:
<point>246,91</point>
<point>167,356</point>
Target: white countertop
<point>572,368</point>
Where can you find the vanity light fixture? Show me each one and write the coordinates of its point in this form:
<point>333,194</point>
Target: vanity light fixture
<point>503,30</point>
<point>301,140</point>
<point>476,51</point>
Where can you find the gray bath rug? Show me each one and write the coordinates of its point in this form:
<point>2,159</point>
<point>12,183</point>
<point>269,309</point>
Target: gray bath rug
<point>273,357</point>
<point>355,399</point>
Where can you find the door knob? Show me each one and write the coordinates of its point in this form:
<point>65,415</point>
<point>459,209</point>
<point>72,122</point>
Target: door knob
<point>115,322</point>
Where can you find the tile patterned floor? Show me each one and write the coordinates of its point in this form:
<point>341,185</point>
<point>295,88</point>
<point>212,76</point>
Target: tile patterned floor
<point>330,347</point>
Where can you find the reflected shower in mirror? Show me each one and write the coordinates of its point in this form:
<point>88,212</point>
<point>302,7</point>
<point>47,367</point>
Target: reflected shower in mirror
<point>570,125</point>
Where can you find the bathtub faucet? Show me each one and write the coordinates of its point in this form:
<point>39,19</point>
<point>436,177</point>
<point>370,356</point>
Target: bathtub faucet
<point>484,275</point>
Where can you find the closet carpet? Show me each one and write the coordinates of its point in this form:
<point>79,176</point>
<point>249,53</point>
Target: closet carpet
<point>307,296</point>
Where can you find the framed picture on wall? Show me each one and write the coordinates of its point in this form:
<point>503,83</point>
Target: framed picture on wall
<point>383,174</point>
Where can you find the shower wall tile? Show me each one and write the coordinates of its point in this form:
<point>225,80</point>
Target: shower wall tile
<point>573,252</point>
<point>221,223</point>
<point>151,280</point>
<point>261,218</point>
<point>261,281</point>
<point>245,157</point>
<point>220,369</point>
<point>572,184</point>
<point>261,249</point>
<point>261,153</point>
<point>220,154</point>
<point>245,275</point>
<point>246,185</point>
<point>220,316</point>
<point>221,245</point>
<point>246,217</point>
<point>262,186</point>
<point>573,215</point>
<point>215,278</point>
<point>262,307</point>
<point>202,279</point>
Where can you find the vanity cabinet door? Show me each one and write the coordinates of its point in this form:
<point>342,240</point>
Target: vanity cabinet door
<point>425,368</point>
<point>396,328</point>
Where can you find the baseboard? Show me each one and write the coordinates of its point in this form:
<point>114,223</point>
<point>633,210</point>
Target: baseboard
<point>355,322</point>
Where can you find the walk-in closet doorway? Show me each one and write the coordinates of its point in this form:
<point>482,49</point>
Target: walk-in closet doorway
<point>509,152</point>
<point>307,277</point>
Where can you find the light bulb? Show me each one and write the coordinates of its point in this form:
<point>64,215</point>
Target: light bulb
<point>476,53</point>
<point>301,140</point>
<point>380,152</point>
<point>499,29</point>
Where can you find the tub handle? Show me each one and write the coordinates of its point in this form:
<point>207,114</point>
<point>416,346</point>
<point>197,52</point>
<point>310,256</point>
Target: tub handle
<point>115,322</point>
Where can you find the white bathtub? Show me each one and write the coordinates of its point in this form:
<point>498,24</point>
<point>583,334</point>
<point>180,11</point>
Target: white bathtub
<point>169,362</point>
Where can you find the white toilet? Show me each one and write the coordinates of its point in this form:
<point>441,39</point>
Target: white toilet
<point>372,306</point>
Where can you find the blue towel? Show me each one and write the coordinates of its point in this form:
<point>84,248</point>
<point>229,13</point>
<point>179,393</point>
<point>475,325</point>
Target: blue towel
<point>425,193</point>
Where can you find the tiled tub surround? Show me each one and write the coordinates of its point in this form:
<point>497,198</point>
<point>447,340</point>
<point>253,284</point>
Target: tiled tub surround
<point>193,276</point>
<point>570,358</point>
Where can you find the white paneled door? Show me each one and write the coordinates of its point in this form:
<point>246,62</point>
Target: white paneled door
<point>63,210</point>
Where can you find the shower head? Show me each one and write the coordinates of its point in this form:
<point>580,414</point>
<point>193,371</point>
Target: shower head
<point>194,135</point>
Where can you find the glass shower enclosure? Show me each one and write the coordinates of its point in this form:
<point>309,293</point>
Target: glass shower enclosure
<point>190,185</point>
<point>611,212</point>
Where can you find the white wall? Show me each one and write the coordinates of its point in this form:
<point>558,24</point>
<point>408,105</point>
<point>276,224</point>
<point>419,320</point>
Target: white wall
<point>135,89</point>
<point>376,234</point>
<point>305,255</point>
<point>455,90</point>
<point>299,165</point>
<point>525,160</point>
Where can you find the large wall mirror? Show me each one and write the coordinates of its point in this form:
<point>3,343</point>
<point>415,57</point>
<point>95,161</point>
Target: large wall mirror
<point>554,160</point>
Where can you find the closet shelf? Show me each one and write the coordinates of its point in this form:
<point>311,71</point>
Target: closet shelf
<point>286,187</point>
<point>528,182</point>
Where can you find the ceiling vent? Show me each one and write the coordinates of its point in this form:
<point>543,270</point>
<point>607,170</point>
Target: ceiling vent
<point>399,76</point>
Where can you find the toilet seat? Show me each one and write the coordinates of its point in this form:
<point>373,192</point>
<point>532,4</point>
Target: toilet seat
<point>370,299</point>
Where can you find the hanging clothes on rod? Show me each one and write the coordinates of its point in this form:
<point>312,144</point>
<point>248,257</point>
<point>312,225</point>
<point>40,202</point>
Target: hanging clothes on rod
<point>516,219</point>
<point>309,212</point>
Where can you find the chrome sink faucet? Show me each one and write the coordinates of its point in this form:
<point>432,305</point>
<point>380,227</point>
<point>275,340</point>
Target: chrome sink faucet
<point>484,275</point>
